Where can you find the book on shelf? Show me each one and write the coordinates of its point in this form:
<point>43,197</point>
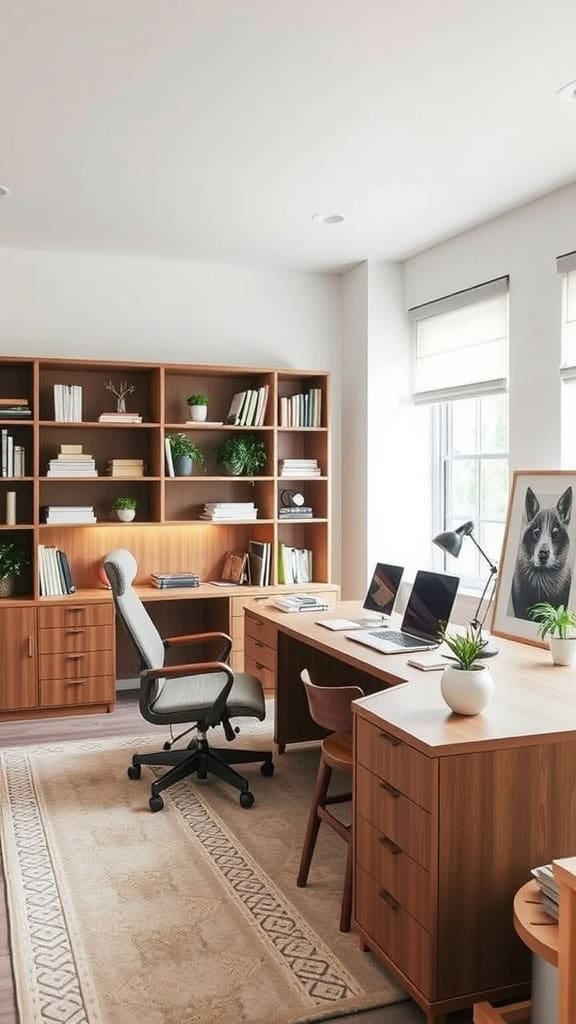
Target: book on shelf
<point>168,454</point>
<point>72,449</point>
<point>54,572</point>
<point>259,562</point>
<point>12,456</point>
<point>125,467</point>
<point>548,886</point>
<point>173,580</point>
<point>294,564</point>
<point>248,408</point>
<point>301,410</point>
<point>300,603</point>
<point>68,403</point>
<point>72,464</point>
<point>304,512</point>
<point>120,417</point>
<point>235,569</point>
<point>223,511</point>
<point>15,409</point>
<point>300,468</point>
<point>70,515</point>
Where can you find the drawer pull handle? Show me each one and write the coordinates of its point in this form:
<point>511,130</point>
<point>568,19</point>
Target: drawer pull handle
<point>258,643</point>
<point>75,682</point>
<point>30,647</point>
<point>259,664</point>
<point>389,899</point>
<point>76,608</point>
<point>392,740</point>
<point>391,846</point>
<point>74,657</point>
<point>391,790</point>
<point>74,632</point>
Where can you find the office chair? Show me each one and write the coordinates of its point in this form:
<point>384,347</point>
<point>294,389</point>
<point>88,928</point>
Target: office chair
<point>206,693</point>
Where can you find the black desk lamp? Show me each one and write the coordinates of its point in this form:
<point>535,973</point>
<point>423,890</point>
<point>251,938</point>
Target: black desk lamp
<point>451,542</point>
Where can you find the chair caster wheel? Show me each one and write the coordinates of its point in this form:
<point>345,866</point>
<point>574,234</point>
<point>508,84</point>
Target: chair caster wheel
<point>202,774</point>
<point>134,771</point>
<point>267,768</point>
<point>155,803</point>
<point>246,799</point>
<point>167,745</point>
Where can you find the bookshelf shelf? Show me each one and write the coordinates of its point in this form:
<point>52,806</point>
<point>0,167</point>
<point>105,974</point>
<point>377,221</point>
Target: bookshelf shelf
<point>16,479</point>
<point>198,478</point>
<point>17,526</point>
<point>302,430</point>
<point>95,425</point>
<point>184,427</point>
<point>101,479</point>
<point>15,422</point>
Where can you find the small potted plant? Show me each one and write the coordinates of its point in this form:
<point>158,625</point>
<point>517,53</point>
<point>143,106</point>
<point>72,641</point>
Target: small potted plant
<point>184,454</point>
<point>558,625</point>
<point>466,685</point>
<point>13,559</point>
<point>125,509</point>
<point>198,407</point>
<point>242,454</point>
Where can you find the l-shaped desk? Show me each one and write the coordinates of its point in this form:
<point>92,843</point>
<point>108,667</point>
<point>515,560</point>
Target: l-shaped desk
<point>450,813</point>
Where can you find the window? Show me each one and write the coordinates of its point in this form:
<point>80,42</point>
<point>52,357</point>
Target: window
<point>470,478</point>
<point>567,267</point>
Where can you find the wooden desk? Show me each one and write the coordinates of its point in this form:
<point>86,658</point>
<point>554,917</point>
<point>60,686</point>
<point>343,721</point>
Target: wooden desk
<point>451,813</point>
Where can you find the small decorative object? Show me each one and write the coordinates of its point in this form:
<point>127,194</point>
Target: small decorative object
<point>293,505</point>
<point>121,394</point>
<point>125,509</point>
<point>10,508</point>
<point>242,455</point>
<point>184,454</point>
<point>558,625</point>
<point>466,686</point>
<point>13,559</point>
<point>198,407</point>
<point>538,554</point>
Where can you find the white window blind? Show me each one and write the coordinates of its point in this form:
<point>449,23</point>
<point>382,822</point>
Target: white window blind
<point>567,266</point>
<point>461,344</point>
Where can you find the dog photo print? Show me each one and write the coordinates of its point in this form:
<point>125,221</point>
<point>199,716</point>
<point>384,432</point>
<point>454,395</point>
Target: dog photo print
<point>539,551</point>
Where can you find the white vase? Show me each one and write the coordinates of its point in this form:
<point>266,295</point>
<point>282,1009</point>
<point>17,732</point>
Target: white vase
<point>198,413</point>
<point>126,515</point>
<point>467,692</point>
<point>563,651</point>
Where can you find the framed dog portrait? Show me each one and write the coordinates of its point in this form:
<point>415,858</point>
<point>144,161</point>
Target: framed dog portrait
<point>539,552</point>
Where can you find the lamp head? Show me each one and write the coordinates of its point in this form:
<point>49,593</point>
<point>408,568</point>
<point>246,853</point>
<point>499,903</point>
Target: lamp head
<point>450,541</point>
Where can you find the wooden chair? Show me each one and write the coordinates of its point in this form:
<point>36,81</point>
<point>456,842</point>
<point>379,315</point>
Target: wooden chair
<point>330,707</point>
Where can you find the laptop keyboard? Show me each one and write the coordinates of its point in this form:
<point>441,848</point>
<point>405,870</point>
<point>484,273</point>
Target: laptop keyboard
<point>401,639</point>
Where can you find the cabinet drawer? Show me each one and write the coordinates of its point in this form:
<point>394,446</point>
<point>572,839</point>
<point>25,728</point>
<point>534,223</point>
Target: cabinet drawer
<point>259,652</point>
<point>86,690</point>
<point>395,762</point>
<point>394,870</point>
<point>265,675</point>
<point>394,930</point>
<point>76,666</point>
<point>393,815</point>
<point>260,630</point>
<point>76,615</point>
<point>66,639</point>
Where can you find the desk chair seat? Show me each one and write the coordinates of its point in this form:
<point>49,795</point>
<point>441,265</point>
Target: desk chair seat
<point>202,693</point>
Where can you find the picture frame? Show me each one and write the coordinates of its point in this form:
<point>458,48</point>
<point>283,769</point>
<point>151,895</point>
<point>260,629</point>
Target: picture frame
<point>538,560</point>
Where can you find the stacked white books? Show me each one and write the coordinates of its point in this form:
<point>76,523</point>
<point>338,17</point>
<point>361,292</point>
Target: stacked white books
<point>549,896</point>
<point>294,564</point>
<point>226,511</point>
<point>120,417</point>
<point>303,410</point>
<point>68,403</point>
<point>71,461</point>
<point>248,408</point>
<point>299,469</point>
<point>12,461</point>
<point>300,603</point>
<point>70,515</point>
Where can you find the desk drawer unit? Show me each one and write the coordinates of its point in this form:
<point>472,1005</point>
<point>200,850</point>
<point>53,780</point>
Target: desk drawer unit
<point>260,650</point>
<point>73,692</point>
<point>61,615</point>
<point>76,655</point>
<point>74,665</point>
<point>394,815</point>
<point>72,639</point>
<point>394,870</point>
<point>395,762</point>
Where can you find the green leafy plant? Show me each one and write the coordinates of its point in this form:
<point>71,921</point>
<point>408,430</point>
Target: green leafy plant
<point>466,647</point>
<point>242,454</point>
<point>197,400</point>
<point>13,559</point>
<point>182,447</point>
<point>552,621</point>
<point>124,503</point>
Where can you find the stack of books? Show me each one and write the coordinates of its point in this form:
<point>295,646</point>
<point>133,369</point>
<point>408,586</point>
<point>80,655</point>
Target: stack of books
<point>294,564</point>
<point>15,409</point>
<point>120,417</point>
<point>299,469</point>
<point>226,511</point>
<point>68,403</point>
<point>259,562</point>
<point>304,410</point>
<point>71,461</point>
<point>171,580</point>
<point>54,570</point>
<point>248,408</point>
<point>12,459</point>
<point>548,886</point>
<point>293,512</point>
<point>125,467</point>
<point>300,603</point>
<point>68,515</point>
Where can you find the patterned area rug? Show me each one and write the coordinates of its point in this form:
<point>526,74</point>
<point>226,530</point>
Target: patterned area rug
<point>188,916</point>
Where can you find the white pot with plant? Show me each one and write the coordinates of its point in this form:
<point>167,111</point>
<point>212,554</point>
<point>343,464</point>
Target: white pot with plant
<point>197,408</point>
<point>125,509</point>
<point>466,685</point>
<point>558,625</point>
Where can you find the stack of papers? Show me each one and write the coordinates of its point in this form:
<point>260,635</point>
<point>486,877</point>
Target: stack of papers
<point>227,511</point>
<point>300,603</point>
<point>548,889</point>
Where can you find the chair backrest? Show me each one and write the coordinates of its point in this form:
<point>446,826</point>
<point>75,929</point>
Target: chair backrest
<point>330,705</point>
<point>120,567</point>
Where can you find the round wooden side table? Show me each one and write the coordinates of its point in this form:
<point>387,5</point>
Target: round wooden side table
<point>539,932</point>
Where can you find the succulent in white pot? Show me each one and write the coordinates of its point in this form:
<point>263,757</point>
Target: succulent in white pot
<point>558,625</point>
<point>125,509</point>
<point>466,684</point>
<point>197,407</point>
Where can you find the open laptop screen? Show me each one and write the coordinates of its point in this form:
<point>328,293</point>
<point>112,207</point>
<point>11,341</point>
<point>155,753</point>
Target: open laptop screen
<point>430,604</point>
<point>383,588</point>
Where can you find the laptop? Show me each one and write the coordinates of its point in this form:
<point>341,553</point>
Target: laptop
<point>429,608</point>
<point>380,598</point>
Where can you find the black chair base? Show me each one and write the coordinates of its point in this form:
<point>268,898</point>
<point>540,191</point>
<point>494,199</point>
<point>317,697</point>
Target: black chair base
<point>200,760</point>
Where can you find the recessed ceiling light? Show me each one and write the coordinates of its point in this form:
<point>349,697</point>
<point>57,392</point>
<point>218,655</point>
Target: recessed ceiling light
<point>327,218</point>
<point>4,191</point>
<point>568,92</point>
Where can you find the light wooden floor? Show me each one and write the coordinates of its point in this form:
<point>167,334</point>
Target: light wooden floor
<point>124,721</point>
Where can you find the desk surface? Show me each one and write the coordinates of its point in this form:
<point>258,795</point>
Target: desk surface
<point>147,592</point>
<point>533,699</point>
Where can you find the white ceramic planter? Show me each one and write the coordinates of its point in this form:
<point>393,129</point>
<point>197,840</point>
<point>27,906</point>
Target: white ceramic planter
<point>563,651</point>
<point>467,692</point>
<point>126,515</point>
<point>198,413</point>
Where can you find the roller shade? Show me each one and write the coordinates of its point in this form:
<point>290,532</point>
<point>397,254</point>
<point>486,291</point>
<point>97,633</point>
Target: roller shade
<point>566,265</point>
<point>461,344</point>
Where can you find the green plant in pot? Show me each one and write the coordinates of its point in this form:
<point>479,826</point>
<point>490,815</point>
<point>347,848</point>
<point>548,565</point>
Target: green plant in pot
<point>466,683</point>
<point>125,509</point>
<point>242,454</point>
<point>558,626</point>
<point>13,559</point>
<point>197,407</point>
<point>184,454</point>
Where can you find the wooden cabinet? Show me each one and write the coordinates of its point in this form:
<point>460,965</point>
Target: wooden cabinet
<point>77,656</point>
<point>18,679</point>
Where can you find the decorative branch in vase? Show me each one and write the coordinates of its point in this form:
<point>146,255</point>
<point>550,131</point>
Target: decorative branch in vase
<point>121,394</point>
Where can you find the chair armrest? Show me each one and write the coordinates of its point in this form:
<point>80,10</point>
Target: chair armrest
<point>197,668</point>
<point>200,638</point>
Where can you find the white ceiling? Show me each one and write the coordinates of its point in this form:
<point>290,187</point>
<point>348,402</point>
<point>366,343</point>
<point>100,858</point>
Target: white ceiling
<point>214,130</point>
